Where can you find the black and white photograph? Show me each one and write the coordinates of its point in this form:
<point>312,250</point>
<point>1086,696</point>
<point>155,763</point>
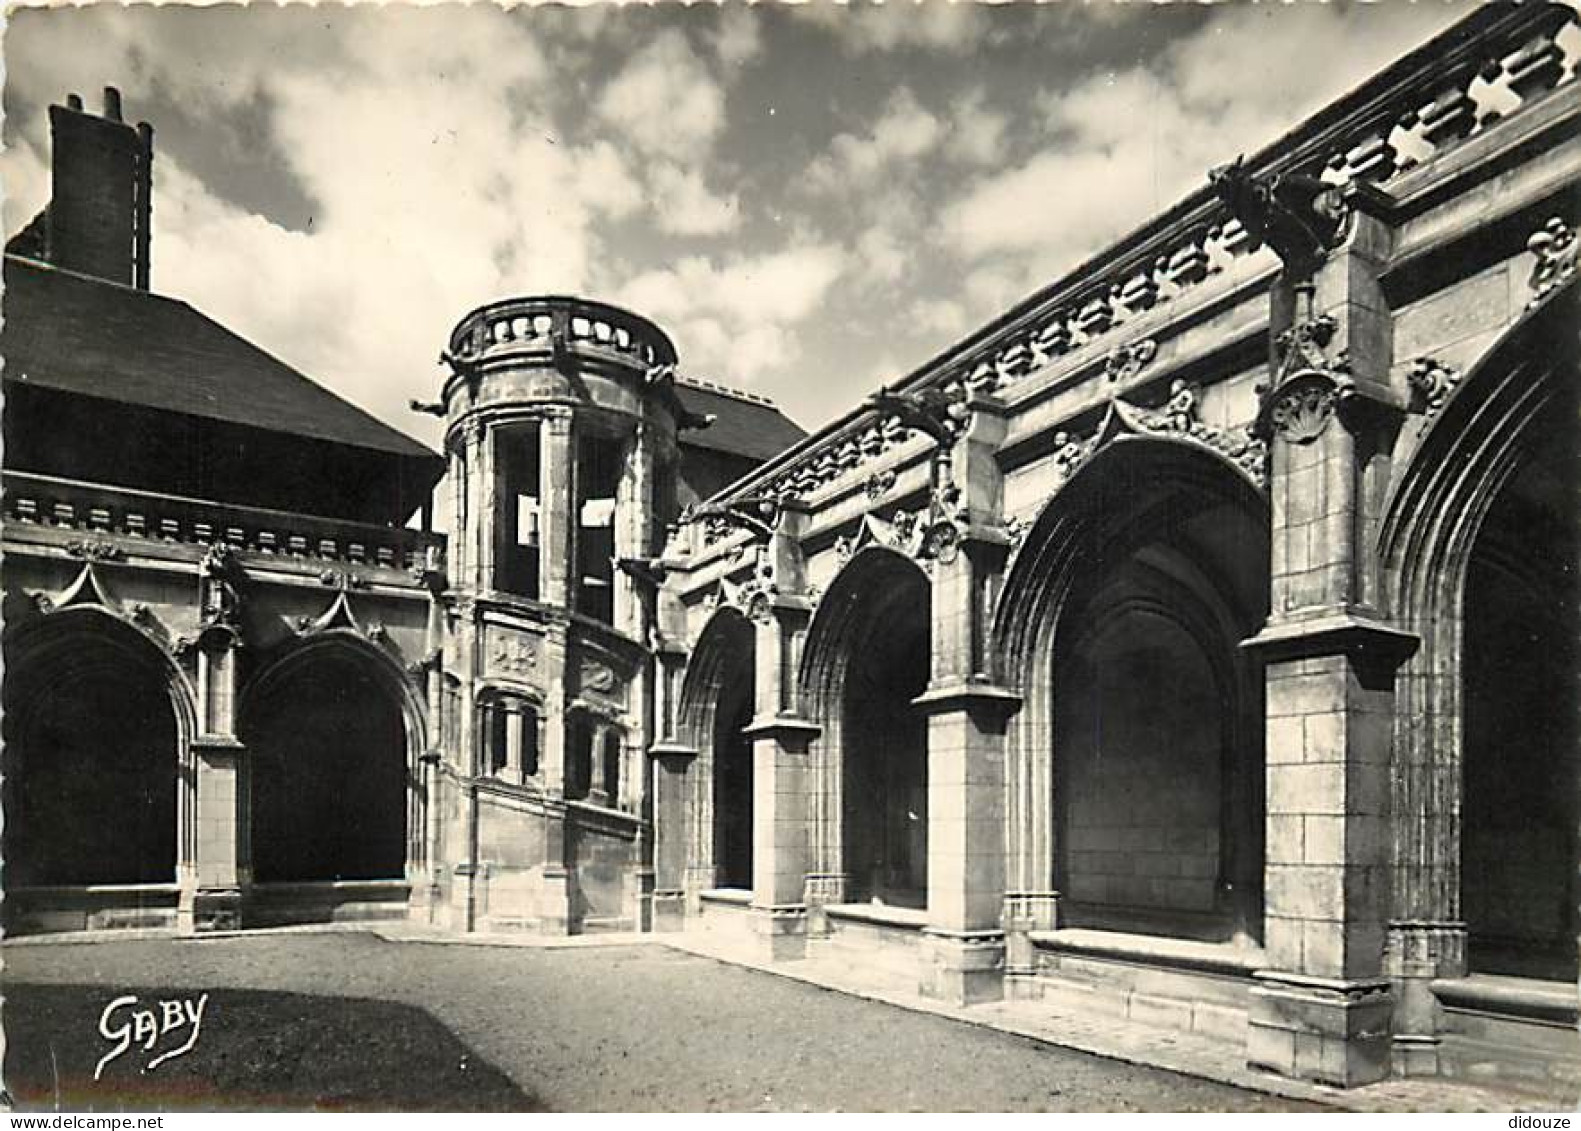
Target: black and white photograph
<point>772,557</point>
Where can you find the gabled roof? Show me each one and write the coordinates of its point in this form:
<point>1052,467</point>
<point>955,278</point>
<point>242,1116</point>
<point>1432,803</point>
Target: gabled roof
<point>744,425</point>
<point>83,335</point>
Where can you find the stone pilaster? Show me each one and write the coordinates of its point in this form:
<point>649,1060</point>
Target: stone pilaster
<point>489,520</point>
<point>672,816</point>
<point>214,897</point>
<point>1417,953</point>
<point>780,814</point>
<point>557,520</point>
<point>965,946</point>
<point>461,444</point>
<point>1025,912</point>
<point>633,515</point>
<point>1324,1008</point>
<point>782,778</point>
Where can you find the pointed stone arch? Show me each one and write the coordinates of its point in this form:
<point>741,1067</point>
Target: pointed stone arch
<point>1510,415</point>
<point>717,704</point>
<point>317,700</point>
<point>99,719</point>
<point>1149,540</point>
<point>867,656</point>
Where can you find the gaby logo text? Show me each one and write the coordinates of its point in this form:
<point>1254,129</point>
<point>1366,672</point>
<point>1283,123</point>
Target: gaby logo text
<point>126,1023</point>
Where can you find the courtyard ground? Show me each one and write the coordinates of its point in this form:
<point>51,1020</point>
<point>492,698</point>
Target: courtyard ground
<point>641,1028</point>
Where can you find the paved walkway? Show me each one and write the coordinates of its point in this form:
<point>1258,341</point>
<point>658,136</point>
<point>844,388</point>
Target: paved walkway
<point>642,1027</point>
<point>1177,1051</point>
<point>1128,1046</point>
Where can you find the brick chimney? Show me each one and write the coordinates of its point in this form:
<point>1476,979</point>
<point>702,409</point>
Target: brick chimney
<point>98,220</point>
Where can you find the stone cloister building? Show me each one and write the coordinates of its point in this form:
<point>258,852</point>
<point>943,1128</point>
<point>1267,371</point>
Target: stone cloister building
<point>1195,643</point>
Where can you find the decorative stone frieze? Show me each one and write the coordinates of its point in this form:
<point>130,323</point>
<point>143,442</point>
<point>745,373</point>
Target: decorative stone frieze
<point>1177,419</point>
<point>1555,248</point>
<point>94,550</point>
<point>1129,360</point>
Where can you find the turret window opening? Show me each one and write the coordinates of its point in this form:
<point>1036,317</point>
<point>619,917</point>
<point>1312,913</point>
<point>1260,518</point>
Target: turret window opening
<point>521,523</point>
<point>599,466</point>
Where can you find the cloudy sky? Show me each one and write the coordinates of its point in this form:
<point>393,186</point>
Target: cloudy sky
<point>810,199</point>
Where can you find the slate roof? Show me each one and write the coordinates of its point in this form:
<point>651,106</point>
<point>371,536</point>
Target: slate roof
<point>744,425</point>
<point>83,335</point>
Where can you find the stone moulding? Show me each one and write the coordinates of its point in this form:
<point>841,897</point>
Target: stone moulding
<point>1177,420</point>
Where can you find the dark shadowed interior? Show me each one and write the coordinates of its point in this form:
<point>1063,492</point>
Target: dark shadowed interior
<point>1522,764</point>
<point>885,742</point>
<point>329,774</point>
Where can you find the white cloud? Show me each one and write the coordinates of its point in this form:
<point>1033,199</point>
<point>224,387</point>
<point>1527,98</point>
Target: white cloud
<point>736,41</point>
<point>903,133</point>
<point>685,205</point>
<point>941,316</point>
<point>664,101</point>
<point>936,25</point>
<point>977,134</point>
<point>1123,145</point>
<point>732,319</point>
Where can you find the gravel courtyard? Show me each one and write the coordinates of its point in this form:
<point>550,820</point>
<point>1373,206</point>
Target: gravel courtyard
<point>647,1028</point>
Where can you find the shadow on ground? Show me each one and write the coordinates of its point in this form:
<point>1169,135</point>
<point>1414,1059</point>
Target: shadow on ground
<point>256,1051</point>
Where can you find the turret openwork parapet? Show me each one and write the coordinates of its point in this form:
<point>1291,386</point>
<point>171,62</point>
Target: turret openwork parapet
<point>1455,87</point>
<point>558,326</point>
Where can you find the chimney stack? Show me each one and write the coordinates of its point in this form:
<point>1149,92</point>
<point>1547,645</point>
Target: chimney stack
<point>101,198</point>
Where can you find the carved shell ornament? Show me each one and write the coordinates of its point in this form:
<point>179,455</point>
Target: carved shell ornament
<point>1302,411</point>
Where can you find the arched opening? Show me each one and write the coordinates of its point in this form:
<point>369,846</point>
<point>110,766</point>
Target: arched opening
<point>91,756</point>
<point>1143,736</point>
<point>1522,760</point>
<point>733,767</point>
<point>328,747</point>
<point>1479,548</point>
<point>610,756</point>
<point>879,664</point>
<point>579,736</point>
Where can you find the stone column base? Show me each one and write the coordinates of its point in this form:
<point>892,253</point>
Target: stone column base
<point>554,902</point>
<point>822,889</point>
<point>963,967</point>
<point>779,934</point>
<point>1419,951</point>
<point>1025,912</point>
<point>1328,1030</point>
<point>640,898</point>
<point>202,910</point>
<point>669,911</point>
